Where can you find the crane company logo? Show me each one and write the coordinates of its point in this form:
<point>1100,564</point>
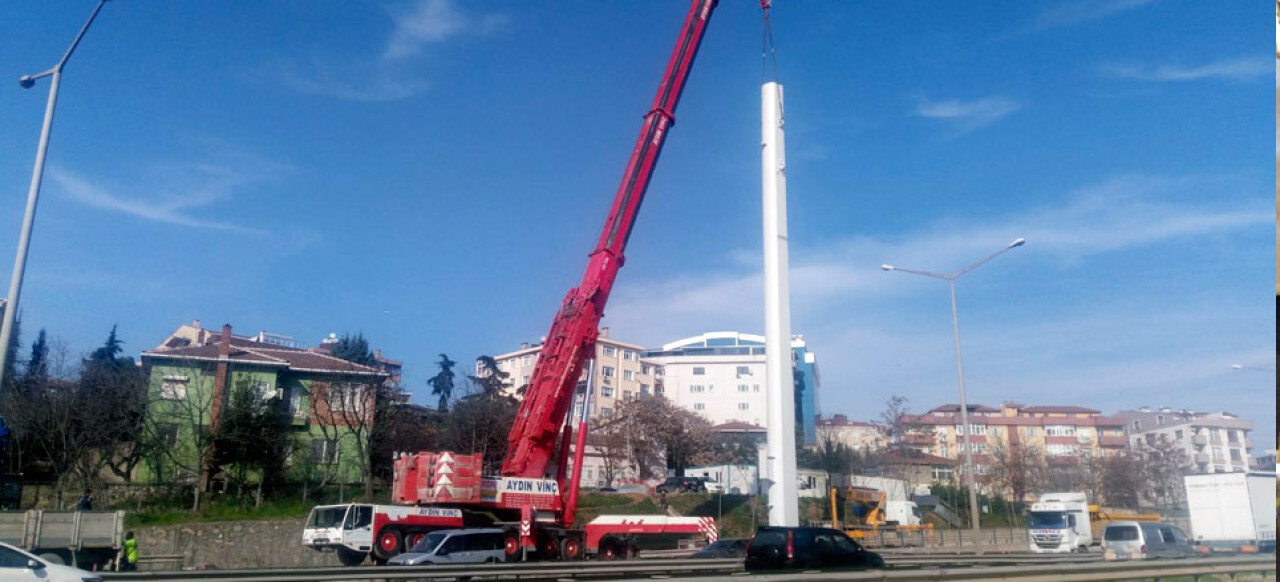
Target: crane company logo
<point>534,486</point>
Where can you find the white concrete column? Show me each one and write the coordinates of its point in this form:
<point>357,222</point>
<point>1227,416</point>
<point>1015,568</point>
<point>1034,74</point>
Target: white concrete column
<point>779,381</point>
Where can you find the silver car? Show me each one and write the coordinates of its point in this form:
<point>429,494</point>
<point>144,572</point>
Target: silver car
<point>455,546</point>
<point>1139,540</point>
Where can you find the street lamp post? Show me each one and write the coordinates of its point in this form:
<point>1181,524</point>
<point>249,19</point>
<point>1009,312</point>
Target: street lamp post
<point>33,194</point>
<point>964,406</point>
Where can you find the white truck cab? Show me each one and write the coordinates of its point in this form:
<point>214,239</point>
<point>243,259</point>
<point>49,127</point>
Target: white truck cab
<point>1059,524</point>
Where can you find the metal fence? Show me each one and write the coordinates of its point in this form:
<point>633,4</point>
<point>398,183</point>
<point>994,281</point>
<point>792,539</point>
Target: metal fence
<point>899,570</point>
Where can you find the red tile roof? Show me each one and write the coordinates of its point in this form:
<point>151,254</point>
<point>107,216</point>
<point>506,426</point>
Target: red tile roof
<point>1061,409</point>
<point>735,426</point>
<point>956,408</point>
<point>248,352</point>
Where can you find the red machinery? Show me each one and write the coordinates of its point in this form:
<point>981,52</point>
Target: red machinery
<point>526,491</point>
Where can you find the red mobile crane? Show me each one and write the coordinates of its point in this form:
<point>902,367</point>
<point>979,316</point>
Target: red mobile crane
<point>432,490</point>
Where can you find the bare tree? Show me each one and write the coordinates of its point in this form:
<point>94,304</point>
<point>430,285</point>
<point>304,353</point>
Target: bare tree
<point>1016,470</point>
<point>1163,462</point>
<point>178,439</point>
<point>612,447</point>
<point>349,410</point>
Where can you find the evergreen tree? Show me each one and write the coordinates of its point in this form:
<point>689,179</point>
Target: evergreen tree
<point>109,353</point>
<point>11,361</point>
<point>354,349</point>
<point>38,365</point>
<point>490,378</point>
<point>442,383</point>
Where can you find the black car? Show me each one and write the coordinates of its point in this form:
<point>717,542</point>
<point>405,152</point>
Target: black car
<point>682,485</point>
<point>807,547</point>
<point>723,548</point>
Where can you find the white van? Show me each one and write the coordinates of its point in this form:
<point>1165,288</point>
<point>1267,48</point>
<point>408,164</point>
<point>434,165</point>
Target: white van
<point>455,546</point>
<point>1139,540</point>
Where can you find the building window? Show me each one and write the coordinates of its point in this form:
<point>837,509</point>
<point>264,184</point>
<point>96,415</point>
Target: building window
<point>324,451</point>
<point>1235,455</point>
<point>743,388</point>
<point>1059,450</point>
<point>644,369</point>
<point>944,450</point>
<point>978,429</point>
<point>699,406</point>
<point>1218,457</point>
<point>1060,430</point>
<point>644,388</point>
<point>755,387</point>
<point>606,391</point>
<point>943,474</point>
<point>628,355</point>
<point>524,380</point>
<point>977,448</point>
<point>1232,437</point>
<point>699,371</point>
<point>627,395</point>
<point>1137,424</point>
<point>1177,435</point>
<point>980,469</point>
<point>1159,419</point>
<point>606,412</point>
<point>609,351</point>
<point>528,359</point>
<point>167,435</point>
<point>628,375</point>
<point>697,388</point>
<point>744,406</point>
<point>174,387</point>
<point>607,371</point>
<point>744,370</point>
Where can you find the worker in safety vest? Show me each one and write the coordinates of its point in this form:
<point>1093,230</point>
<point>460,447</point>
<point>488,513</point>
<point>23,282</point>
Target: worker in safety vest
<point>127,559</point>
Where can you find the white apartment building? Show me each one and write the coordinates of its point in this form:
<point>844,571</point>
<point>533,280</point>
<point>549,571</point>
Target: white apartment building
<point>620,373</point>
<point>1214,442</point>
<point>719,375</point>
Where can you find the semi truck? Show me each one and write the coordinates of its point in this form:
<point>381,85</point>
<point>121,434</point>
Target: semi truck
<point>1059,523</point>
<point>534,497</point>
<point>1232,511</point>
<point>83,539</point>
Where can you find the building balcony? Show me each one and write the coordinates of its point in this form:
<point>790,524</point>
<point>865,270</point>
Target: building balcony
<point>917,439</point>
<point>1201,458</point>
<point>1112,441</point>
<point>1199,440</point>
<point>1060,460</point>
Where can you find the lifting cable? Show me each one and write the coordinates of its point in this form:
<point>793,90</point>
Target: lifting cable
<point>768,54</point>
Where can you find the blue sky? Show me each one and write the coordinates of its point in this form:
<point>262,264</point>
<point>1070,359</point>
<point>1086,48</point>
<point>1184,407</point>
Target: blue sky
<point>432,173</point>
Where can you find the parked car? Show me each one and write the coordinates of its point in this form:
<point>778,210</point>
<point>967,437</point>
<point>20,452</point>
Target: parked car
<point>19,566</point>
<point>807,547</point>
<point>683,485</point>
<point>454,546</point>
<point>724,548</point>
<point>1138,540</point>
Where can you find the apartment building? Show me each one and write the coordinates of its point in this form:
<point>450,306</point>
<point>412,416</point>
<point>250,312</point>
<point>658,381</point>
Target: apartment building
<point>1214,442</point>
<point>620,373</point>
<point>721,376</point>
<point>855,434</point>
<point>1066,434</point>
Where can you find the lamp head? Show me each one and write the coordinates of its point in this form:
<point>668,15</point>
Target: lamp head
<point>1017,242</point>
<point>887,267</point>
<point>26,81</point>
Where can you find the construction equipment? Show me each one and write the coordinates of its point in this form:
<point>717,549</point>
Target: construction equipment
<point>531,498</point>
<point>1099,517</point>
<point>865,511</point>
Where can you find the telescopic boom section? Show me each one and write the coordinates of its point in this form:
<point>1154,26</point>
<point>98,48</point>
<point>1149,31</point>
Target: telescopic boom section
<point>572,338</point>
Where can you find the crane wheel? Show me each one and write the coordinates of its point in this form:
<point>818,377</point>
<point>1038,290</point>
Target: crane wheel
<point>549,548</point>
<point>349,557</point>
<point>570,549</point>
<point>388,545</point>
<point>612,549</point>
<point>511,545</point>
<point>412,540</point>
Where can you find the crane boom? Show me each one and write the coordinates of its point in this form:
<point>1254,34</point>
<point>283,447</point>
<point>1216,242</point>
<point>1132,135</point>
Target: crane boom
<point>572,338</point>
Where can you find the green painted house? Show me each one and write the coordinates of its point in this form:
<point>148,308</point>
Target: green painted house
<point>328,403</point>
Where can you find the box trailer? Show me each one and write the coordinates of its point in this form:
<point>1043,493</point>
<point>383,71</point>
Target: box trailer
<point>84,539</point>
<point>1232,511</point>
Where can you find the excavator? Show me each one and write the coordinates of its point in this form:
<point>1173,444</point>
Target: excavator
<point>532,498</point>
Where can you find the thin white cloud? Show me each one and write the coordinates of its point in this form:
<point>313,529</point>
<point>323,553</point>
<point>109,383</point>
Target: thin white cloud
<point>427,22</point>
<point>1122,213</point>
<point>1072,13</point>
<point>395,73</point>
<point>175,193</point>
<point>968,115</point>
<point>1242,69</point>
